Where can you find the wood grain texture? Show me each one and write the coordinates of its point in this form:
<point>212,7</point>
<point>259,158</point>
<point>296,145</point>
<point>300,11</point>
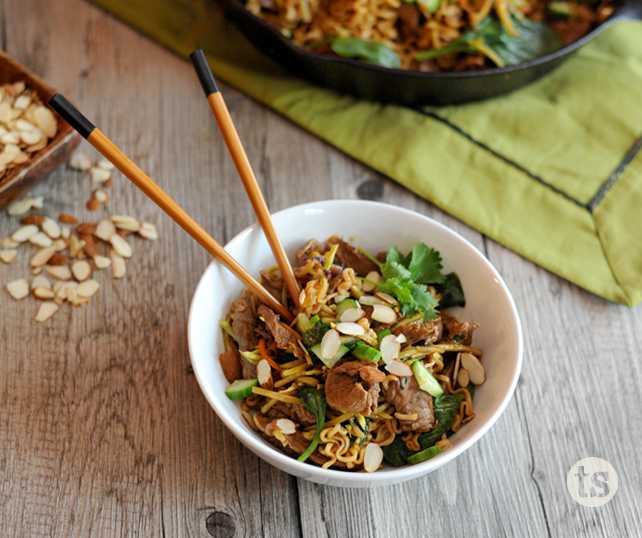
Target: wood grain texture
<point>103,429</point>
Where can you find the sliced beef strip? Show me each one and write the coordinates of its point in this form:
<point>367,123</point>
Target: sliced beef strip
<point>244,322</point>
<point>285,340</point>
<point>311,246</point>
<point>272,284</point>
<point>296,412</point>
<point>408,401</point>
<point>297,444</point>
<point>354,386</point>
<point>419,331</point>
<point>351,257</point>
<point>466,328</point>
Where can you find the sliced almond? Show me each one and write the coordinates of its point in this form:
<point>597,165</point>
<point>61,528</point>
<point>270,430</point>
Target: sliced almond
<point>7,256</point>
<point>41,240</point>
<point>61,272</point>
<point>58,286</point>
<point>88,288</point>
<point>147,232</point>
<point>61,244</point>
<point>41,257</point>
<point>398,368</point>
<point>72,294</point>
<point>474,367</point>
<point>81,270</point>
<point>80,161</point>
<point>389,348</point>
<point>43,293</point>
<point>19,289</point>
<point>40,282</point>
<point>58,259</point>
<point>99,175</point>
<point>122,247</point>
<point>46,310</point>
<point>330,344</point>
<point>128,226</point>
<point>37,147</point>
<point>105,230</point>
<point>67,218</point>
<point>46,121</point>
<point>386,298</point>
<point>352,314</point>
<point>101,196</point>
<point>32,219</point>
<point>37,202</point>
<point>284,425</point>
<point>11,138</point>
<point>383,313</point>
<point>118,266</point>
<point>24,125</point>
<point>7,242</point>
<point>264,374</point>
<point>105,164</point>
<point>75,246</point>
<point>123,219</point>
<point>5,112</point>
<point>22,102</point>
<point>24,233</point>
<point>89,246</point>
<point>33,137</point>
<point>21,158</point>
<point>79,301</point>
<point>65,232</point>
<point>101,262</point>
<point>51,228</point>
<point>36,271</point>
<point>372,458</point>
<point>351,329</point>
<point>63,291</point>
<point>372,279</point>
<point>463,378</point>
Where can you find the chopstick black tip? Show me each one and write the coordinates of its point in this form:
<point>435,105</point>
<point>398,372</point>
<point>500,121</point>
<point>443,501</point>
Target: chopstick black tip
<point>71,115</point>
<point>204,72</point>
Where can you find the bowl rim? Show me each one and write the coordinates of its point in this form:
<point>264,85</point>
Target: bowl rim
<point>332,476</point>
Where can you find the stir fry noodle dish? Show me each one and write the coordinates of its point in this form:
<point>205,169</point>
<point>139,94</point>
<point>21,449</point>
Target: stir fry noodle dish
<point>434,35</point>
<point>374,366</point>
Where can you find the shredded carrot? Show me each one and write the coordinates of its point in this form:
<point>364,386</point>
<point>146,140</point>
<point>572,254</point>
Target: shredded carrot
<point>264,355</point>
<point>291,330</point>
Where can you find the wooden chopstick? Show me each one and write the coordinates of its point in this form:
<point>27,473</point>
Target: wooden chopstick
<point>108,149</point>
<point>235,147</point>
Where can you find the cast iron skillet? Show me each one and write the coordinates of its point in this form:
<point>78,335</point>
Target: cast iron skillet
<point>409,88</point>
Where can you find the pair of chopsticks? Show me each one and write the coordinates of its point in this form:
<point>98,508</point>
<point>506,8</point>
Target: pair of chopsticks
<point>109,150</point>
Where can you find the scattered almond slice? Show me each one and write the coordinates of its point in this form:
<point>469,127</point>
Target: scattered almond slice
<point>148,231</point>
<point>19,289</point>
<point>81,270</point>
<point>63,290</point>
<point>51,228</point>
<point>41,257</point>
<point>61,272</point>
<point>463,378</point>
<point>386,298</point>
<point>72,294</point>
<point>22,102</point>
<point>80,161</point>
<point>352,314</point>
<point>372,276</point>
<point>105,230</point>
<point>398,368</point>
<point>41,240</point>
<point>75,246</point>
<point>350,329</point>
<point>101,196</point>
<point>372,457</point>
<point>58,286</point>
<point>7,256</point>
<point>37,202</point>
<point>99,175</point>
<point>43,293</point>
<point>40,282</point>
<point>101,262</point>
<point>330,344</point>
<point>36,271</point>
<point>122,219</point>
<point>128,226</point>
<point>7,242</point>
<point>60,244</point>
<point>24,233</point>
<point>79,301</point>
<point>284,425</point>
<point>389,348</point>
<point>264,375</point>
<point>105,165</point>
<point>65,232</point>
<point>88,288</point>
<point>118,265</point>
<point>24,125</point>
<point>46,310</point>
<point>32,137</point>
<point>122,247</point>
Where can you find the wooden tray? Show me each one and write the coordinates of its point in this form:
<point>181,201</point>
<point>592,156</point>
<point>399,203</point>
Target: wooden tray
<point>44,161</point>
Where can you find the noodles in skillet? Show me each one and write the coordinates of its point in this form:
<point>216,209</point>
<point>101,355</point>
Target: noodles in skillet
<point>373,367</point>
<point>434,35</point>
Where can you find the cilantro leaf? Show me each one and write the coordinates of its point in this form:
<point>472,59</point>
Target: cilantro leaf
<point>425,265</point>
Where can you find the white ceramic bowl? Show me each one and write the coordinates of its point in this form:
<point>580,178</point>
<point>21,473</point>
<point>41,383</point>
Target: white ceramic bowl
<point>375,227</point>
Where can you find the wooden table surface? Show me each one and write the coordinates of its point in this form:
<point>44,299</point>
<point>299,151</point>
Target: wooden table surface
<point>103,429</point>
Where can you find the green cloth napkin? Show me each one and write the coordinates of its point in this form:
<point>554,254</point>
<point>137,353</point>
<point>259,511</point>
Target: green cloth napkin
<point>553,171</point>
